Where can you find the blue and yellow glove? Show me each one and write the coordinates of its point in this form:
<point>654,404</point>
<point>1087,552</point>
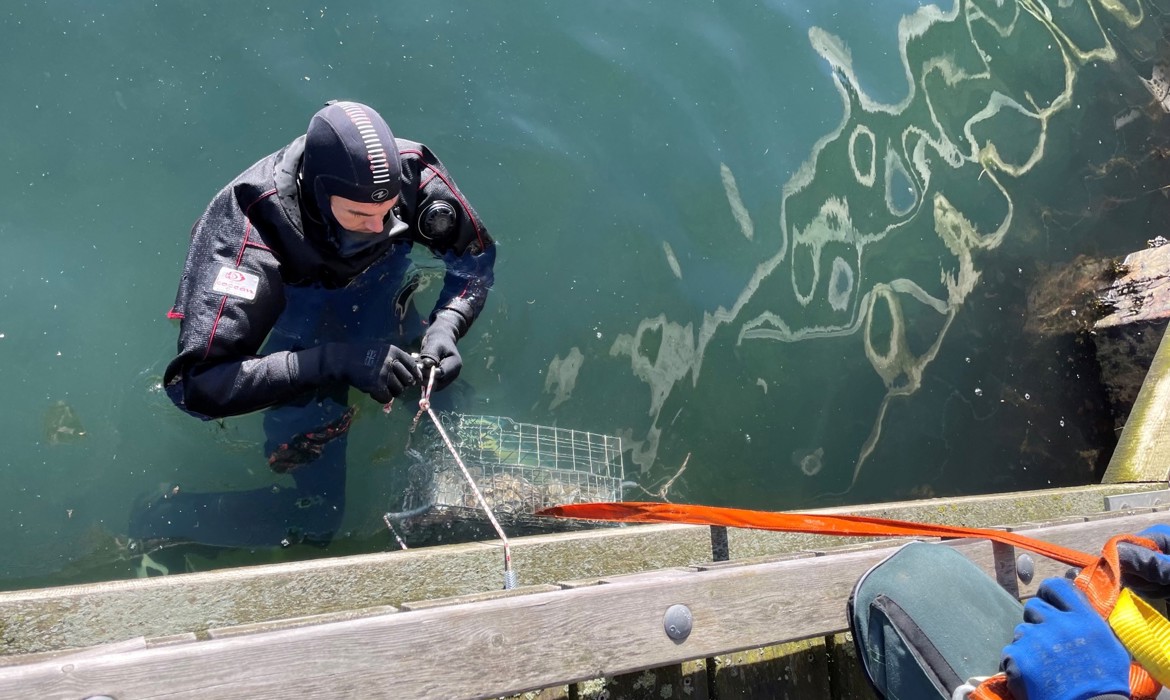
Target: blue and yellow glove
<point>1064,650</point>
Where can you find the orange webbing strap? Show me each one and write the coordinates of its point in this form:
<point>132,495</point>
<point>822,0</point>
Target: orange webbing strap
<point>994,688</point>
<point>845,525</point>
<point>1141,686</point>
<point>1101,584</point>
<point>1101,580</point>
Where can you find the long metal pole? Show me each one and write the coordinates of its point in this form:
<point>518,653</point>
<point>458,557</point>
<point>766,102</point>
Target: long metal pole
<point>510,578</point>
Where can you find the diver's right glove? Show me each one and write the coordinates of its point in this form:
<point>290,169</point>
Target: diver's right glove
<point>1145,571</point>
<point>439,349</point>
<point>1064,650</point>
<point>382,371</point>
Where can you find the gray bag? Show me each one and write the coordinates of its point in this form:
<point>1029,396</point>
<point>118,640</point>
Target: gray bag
<point>926,619</point>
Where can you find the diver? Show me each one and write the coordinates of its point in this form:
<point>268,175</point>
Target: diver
<point>297,287</point>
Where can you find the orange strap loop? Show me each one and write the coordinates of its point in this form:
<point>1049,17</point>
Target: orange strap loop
<point>1142,686</point>
<point>994,688</point>
<point>1101,580</point>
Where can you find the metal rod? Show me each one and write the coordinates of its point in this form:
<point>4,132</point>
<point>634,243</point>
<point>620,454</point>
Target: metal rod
<point>425,404</point>
<point>475,489</point>
<point>386,519</point>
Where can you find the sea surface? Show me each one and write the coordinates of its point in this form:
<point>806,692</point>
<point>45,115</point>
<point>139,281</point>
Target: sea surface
<point>793,253</point>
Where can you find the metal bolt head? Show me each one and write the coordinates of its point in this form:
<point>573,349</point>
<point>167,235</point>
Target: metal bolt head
<point>1025,568</point>
<point>677,622</point>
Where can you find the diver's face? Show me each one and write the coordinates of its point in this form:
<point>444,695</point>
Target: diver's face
<point>361,217</point>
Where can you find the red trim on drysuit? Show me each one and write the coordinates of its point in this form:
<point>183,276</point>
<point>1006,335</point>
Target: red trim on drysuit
<point>455,191</point>
<point>458,195</point>
<point>239,258</point>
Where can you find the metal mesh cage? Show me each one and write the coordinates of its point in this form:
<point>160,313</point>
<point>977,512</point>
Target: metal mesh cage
<point>519,467</point>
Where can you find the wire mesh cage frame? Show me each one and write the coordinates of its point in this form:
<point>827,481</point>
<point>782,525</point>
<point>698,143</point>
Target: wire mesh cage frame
<point>519,467</point>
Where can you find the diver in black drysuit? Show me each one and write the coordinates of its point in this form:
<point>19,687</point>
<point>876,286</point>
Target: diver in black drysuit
<point>270,263</point>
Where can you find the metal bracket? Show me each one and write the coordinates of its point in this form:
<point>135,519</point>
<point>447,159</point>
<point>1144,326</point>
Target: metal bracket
<point>720,550</point>
<point>1142,499</point>
<point>1005,567</point>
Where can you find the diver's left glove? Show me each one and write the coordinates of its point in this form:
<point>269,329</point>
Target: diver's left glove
<point>1064,650</point>
<point>382,371</point>
<point>438,347</point>
<point>1145,571</point>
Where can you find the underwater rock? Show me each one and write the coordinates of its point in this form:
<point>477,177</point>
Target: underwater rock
<point>1063,300</point>
<point>62,425</point>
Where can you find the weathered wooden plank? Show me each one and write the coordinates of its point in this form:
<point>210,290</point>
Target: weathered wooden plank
<point>510,645</point>
<point>1126,342</point>
<point>78,616</point>
<point>1145,441</point>
<point>1142,298</point>
<point>641,575</point>
<point>96,650</point>
<point>884,543</point>
<point>483,649</point>
<point>751,561</point>
<point>286,623</point>
<point>477,597</point>
<point>560,692</point>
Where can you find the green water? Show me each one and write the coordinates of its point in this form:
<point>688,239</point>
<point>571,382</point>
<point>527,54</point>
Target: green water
<point>789,244</point>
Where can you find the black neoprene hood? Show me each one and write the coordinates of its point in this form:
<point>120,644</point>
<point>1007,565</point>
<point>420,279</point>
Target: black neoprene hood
<point>350,152</point>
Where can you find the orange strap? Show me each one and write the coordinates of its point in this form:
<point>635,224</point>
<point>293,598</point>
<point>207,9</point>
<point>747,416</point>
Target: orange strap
<point>994,688</point>
<point>855,525</point>
<point>1101,581</point>
<point>1141,686</point>
<point>1101,584</point>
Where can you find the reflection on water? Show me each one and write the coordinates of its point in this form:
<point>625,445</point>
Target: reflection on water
<point>935,174</point>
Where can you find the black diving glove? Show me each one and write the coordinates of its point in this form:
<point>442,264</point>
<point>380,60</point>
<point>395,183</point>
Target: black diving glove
<point>382,371</point>
<point>438,347</point>
<point>1145,571</point>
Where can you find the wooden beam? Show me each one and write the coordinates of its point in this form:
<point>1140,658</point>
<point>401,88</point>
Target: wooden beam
<point>1140,454</point>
